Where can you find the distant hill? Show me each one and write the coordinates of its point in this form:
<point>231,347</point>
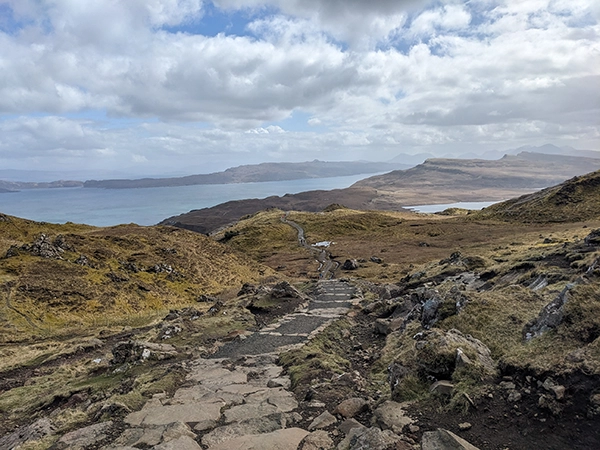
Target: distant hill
<point>523,171</point>
<point>575,200</point>
<point>13,186</point>
<point>257,173</point>
<point>433,182</point>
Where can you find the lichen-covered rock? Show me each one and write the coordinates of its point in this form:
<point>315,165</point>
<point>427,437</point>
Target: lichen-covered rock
<point>436,351</point>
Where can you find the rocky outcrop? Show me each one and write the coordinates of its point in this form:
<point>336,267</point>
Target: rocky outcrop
<point>350,264</point>
<point>38,430</point>
<point>42,247</point>
<point>136,352</point>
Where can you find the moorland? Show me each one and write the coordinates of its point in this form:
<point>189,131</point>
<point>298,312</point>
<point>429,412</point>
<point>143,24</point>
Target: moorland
<point>485,324</point>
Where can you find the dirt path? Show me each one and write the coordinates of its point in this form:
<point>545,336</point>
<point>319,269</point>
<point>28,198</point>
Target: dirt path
<point>327,266</point>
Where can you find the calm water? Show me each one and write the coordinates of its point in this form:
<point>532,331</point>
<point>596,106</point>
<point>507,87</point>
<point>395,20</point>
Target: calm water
<point>441,207</point>
<point>105,207</point>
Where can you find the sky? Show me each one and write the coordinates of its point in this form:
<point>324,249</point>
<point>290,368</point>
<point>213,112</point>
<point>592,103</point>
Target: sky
<point>172,87</point>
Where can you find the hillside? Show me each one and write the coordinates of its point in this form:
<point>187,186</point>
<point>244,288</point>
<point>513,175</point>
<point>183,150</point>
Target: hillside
<point>433,182</point>
<point>145,337</point>
<point>62,278</point>
<point>577,199</point>
<point>256,173</point>
<point>523,171</point>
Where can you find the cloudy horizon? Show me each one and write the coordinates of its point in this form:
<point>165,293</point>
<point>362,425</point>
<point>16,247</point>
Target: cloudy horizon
<point>190,86</point>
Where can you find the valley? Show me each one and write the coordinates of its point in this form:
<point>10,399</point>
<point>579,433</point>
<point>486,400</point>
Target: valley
<point>484,324</point>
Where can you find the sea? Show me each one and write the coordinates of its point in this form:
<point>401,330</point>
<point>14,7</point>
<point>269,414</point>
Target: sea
<point>147,206</point>
<point>443,206</point>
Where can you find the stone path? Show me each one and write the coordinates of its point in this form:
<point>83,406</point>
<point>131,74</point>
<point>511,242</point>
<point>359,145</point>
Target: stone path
<point>238,398</point>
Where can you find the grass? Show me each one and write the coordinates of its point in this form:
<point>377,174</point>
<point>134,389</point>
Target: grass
<point>320,358</point>
<point>133,274</point>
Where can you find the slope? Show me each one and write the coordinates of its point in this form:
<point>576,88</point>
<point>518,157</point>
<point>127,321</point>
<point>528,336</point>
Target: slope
<point>57,279</point>
<point>575,200</point>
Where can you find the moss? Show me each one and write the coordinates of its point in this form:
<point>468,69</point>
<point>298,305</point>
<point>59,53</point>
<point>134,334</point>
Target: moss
<point>320,358</point>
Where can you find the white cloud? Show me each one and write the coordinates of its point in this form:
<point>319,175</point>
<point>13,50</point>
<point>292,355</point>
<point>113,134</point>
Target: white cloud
<point>382,76</point>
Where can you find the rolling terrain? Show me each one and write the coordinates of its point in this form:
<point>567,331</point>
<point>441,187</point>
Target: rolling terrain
<point>488,323</point>
<point>436,181</point>
<point>254,173</point>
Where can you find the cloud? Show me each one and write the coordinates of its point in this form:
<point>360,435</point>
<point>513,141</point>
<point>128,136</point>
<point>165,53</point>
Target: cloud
<point>372,79</point>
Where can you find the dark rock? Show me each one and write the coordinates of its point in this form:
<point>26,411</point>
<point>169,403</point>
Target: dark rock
<point>285,290</point>
<point>161,268</point>
<point>376,260</point>
<point>550,317</point>
<point>134,352</point>
<point>168,331</point>
<point>369,438</point>
<point>350,264</point>
<point>455,258</point>
<point>387,326</point>
<point>246,289</point>
<point>593,239</point>
<point>60,242</point>
<point>130,266</point>
<point>214,309</point>
<point>40,247</point>
<point>116,277</point>
<point>207,299</point>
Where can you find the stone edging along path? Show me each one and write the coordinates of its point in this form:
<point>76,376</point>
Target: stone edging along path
<point>237,398</point>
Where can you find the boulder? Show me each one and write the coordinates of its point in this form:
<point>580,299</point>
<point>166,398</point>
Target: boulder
<point>444,440</point>
<point>285,290</point>
<point>350,264</point>
<point>84,437</point>
<point>348,425</point>
<point>436,353</point>
<point>322,421</point>
<point>369,438</point>
<point>352,407</point>
<point>550,317</point>
<point>391,415</point>
<point>387,326</point>
<point>317,440</point>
